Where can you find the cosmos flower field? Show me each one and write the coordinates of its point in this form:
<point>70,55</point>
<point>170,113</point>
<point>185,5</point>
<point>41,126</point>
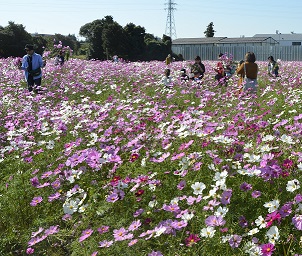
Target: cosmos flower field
<point>108,161</point>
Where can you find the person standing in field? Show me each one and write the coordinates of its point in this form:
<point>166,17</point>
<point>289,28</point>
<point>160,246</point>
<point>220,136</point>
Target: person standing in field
<point>248,71</point>
<point>272,67</point>
<point>169,59</point>
<point>32,64</point>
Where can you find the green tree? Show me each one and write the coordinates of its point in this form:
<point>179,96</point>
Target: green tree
<point>114,40</point>
<point>210,30</point>
<point>13,38</point>
<point>135,41</point>
<point>40,43</point>
<point>157,49</point>
<point>93,34</point>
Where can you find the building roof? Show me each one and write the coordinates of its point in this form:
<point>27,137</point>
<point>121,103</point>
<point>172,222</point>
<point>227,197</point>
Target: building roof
<point>246,40</point>
<point>290,37</point>
<point>223,40</point>
<point>199,40</point>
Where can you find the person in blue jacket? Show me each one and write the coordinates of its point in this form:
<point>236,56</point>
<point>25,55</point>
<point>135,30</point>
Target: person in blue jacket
<point>32,64</point>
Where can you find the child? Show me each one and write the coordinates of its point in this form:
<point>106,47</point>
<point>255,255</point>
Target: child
<point>183,75</point>
<point>219,69</point>
<point>167,80</point>
<point>272,67</point>
<point>60,59</point>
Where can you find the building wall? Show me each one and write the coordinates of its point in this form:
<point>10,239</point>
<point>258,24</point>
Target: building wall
<point>210,52</point>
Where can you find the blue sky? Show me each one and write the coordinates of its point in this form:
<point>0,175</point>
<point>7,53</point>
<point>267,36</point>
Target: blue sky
<point>230,18</point>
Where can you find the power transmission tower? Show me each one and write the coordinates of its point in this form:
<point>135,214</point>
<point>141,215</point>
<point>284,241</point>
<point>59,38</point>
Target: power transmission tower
<point>170,25</point>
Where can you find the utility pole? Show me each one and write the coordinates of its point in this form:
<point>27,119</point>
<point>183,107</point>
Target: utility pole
<point>170,25</point>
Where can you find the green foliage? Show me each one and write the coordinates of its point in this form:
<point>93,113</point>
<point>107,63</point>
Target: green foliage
<point>13,38</point>
<point>209,32</point>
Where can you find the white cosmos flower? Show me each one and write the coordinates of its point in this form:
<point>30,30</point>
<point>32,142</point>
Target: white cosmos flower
<point>198,188</point>
<point>70,206</point>
<point>187,216</point>
<point>253,231</point>
<point>252,158</point>
<point>160,230</point>
<point>50,144</point>
<point>272,205</point>
<point>260,222</point>
<point>273,234</point>
<point>221,211</point>
<point>287,139</point>
<point>292,185</point>
<point>207,232</point>
<point>152,204</point>
<point>268,138</point>
<point>220,175</point>
<point>175,200</point>
<point>265,148</point>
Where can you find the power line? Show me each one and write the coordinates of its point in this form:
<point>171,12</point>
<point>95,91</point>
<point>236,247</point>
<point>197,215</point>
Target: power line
<point>170,24</point>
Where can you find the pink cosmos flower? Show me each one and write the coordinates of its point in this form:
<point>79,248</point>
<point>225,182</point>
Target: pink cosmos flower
<point>105,243</point>
<point>256,194</point>
<point>36,201</point>
<point>33,234</point>
<point>135,225</point>
<point>171,208</point>
<point>113,197</point>
<point>297,221</point>
<point>119,234</point>
<point>213,221</point>
<point>132,242</point>
<point>245,186</point>
<point>85,234</point>
<point>54,197</point>
<point>178,156</point>
<point>52,230</point>
<point>235,241</point>
<point>103,229</point>
<point>30,250</point>
<point>181,185</point>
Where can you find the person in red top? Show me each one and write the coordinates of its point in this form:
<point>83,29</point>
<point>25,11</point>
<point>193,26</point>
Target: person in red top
<point>219,70</point>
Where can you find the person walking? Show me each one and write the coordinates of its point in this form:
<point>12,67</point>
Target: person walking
<point>32,64</point>
<point>248,71</point>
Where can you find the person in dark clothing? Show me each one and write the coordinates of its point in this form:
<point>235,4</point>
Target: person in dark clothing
<point>60,59</point>
<point>197,69</point>
<point>272,67</point>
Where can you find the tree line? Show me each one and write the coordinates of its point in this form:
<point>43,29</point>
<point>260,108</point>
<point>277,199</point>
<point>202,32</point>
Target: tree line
<point>104,38</point>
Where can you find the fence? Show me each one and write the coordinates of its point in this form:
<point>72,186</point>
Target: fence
<point>210,52</point>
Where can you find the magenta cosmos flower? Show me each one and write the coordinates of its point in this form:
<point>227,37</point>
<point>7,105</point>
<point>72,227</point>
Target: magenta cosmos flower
<point>267,249</point>
<point>191,240</point>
